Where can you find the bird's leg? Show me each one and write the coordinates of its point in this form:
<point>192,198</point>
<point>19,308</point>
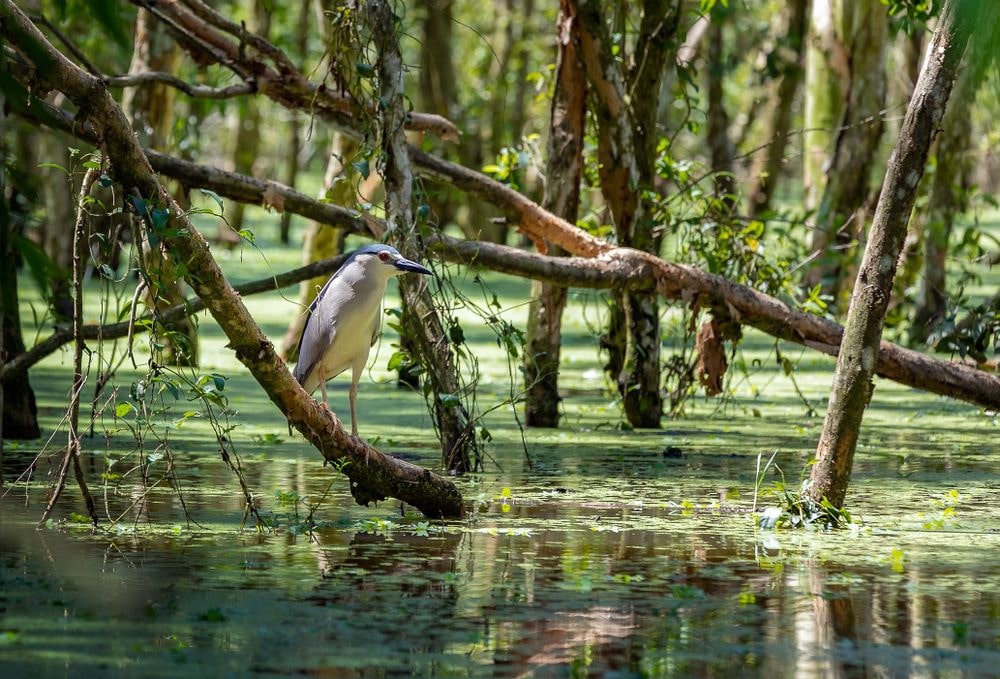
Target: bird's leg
<point>322,385</point>
<point>352,396</point>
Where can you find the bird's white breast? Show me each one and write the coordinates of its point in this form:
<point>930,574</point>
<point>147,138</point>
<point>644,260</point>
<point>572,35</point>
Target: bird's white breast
<point>359,301</point>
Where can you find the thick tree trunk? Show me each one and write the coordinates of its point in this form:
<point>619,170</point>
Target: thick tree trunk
<point>373,475</point>
<point>859,354</point>
<point>842,211</point>
<point>947,201</point>
<point>827,80</point>
<point>422,324</point>
<point>563,171</point>
<point>626,151</point>
<point>767,170</point>
<point>57,194</point>
<point>18,412</point>
<point>150,107</point>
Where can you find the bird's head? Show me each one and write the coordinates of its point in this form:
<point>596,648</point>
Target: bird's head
<point>386,260</point>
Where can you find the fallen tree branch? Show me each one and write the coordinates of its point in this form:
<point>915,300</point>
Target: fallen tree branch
<point>600,264</point>
<point>373,476</point>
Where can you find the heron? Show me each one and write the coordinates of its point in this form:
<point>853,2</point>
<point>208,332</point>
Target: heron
<point>345,319</point>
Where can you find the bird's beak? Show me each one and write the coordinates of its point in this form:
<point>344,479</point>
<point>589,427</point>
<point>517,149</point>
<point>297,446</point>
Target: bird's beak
<point>407,265</point>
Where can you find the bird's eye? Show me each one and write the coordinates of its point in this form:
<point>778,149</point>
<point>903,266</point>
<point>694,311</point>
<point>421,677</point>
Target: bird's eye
<point>384,256</point>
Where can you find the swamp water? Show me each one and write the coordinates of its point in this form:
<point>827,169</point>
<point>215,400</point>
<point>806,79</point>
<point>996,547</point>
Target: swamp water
<point>601,556</point>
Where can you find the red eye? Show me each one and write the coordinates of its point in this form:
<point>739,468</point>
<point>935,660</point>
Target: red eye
<point>384,256</point>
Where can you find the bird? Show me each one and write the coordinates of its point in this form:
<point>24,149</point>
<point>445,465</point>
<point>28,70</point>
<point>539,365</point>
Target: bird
<point>344,320</point>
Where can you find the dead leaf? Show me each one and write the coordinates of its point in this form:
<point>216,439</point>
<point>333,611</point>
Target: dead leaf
<point>272,199</point>
<point>539,243</point>
<point>712,364</point>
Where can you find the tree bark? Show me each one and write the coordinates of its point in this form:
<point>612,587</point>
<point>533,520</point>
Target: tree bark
<point>852,385</point>
<point>373,476</point>
<point>766,173</point>
<point>827,79</point>
<point>719,144</point>
<point>563,171</point>
<point>421,322</point>
<point>842,212</point>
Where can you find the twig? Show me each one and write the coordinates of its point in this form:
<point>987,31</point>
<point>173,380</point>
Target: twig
<point>197,91</point>
<point>73,445</point>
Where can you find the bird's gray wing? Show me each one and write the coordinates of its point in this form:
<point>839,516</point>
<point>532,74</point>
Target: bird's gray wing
<point>377,327</point>
<point>316,337</point>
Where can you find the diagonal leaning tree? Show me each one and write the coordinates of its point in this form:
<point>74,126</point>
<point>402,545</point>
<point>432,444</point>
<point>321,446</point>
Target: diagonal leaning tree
<point>373,476</point>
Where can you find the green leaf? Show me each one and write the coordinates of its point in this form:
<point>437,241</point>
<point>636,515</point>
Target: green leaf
<point>363,167</point>
<point>106,13</point>
<point>214,196</point>
<point>450,400</point>
<point>159,217</point>
<point>397,360</point>
<point>123,409</point>
<point>43,269</point>
<point>247,235</point>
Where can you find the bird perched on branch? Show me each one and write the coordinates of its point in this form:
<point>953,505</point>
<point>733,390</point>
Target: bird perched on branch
<point>345,319</point>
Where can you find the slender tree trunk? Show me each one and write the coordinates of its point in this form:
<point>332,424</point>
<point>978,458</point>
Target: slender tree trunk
<point>57,196</point>
<point>767,170</point>
<point>248,128</point>
<point>151,110</point>
<point>842,211</point>
<point>852,386</point>
<point>294,123</point>
<point>563,171</point>
<point>422,324</point>
<point>719,143</point>
<point>948,200</point>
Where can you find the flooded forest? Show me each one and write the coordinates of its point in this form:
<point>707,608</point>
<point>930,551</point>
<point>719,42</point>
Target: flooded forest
<point>454,338</point>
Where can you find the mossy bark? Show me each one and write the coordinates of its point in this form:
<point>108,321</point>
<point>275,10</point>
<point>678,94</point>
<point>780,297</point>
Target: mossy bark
<point>859,351</point>
<point>563,171</point>
<point>421,322</point>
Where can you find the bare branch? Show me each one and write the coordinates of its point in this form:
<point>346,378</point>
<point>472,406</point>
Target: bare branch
<point>197,91</point>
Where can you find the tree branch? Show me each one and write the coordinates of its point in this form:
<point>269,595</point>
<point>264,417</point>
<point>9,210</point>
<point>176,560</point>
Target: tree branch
<point>372,474</point>
<point>197,91</point>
